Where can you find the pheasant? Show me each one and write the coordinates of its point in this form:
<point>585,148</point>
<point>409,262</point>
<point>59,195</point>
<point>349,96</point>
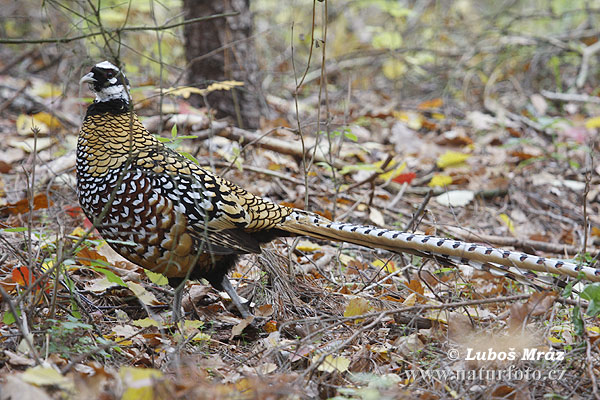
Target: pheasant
<point>167,214</point>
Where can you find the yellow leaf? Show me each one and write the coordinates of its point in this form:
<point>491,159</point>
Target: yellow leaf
<point>412,119</point>
<point>387,40</point>
<point>451,158</point>
<point>45,376</point>
<point>142,294</point>
<point>357,306</point>
<point>393,173</point>
<point>201,337</point>
<point>507,221</point>
<point>393,69</point>
<point>331,363</point>
<point>192,324</point>
<point>139,382</point>
<point>410,300</point>
<point>440,180</point>
<point>146,322</point>
<point>593,122</point>
<point>555,340</point>
<point>26,124</point>
<point>46,118</point>
<point>79,232</point>
<point>306,245</point>
<point>388,267</point>
<point>345,259</point>
<point>45,90</point>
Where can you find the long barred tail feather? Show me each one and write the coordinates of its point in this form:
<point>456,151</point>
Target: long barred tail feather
<point>498,261</point>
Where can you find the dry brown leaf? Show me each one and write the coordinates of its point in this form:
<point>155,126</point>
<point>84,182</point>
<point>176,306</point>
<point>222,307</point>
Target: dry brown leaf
<point>538,304</point>
<point>40,201</point>
<point>239,328</point>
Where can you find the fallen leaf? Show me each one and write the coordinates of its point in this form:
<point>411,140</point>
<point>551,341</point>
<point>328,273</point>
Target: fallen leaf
<point>433,103</point>
<point>508,222</point>
<point>28,144</point>
<point>440,180</point>
<point>46,376</point>
<point>331,363</point>
<point>26,124</point>
<point>40,201</point>
<point>538,304</point>
<point>455,198</point>
<point>307,245</point>
<point>451,158</point>
<point>15,388</point>
<point>376,217</point>
<point>139,383</point>
<point>239,328</point>
<point>357,306</point>
<point>264,311</point>
<point>592,123</point>
<point>405,178</point>
<point>142,294</point>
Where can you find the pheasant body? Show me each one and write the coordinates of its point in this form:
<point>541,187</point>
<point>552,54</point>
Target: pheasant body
<point>165,213</point>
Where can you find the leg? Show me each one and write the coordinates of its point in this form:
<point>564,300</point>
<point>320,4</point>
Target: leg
<point>243,309</point>
<point>179,286</point>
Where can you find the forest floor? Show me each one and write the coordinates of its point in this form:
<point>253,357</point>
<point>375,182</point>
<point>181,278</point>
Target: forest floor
<point>331,320</point>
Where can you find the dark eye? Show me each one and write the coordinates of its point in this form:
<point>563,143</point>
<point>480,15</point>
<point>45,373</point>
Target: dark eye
<point>110,74</point>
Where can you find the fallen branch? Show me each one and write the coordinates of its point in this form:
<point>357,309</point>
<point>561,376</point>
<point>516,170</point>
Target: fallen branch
<point>277,145</point>
<point>581,98</point>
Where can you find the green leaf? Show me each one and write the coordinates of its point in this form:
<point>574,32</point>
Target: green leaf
<point>577,321</point>
<point>387,40</point>
<point>110,276</point>
<point>189,157</point>
<point>157,279</point>
<point>8,318</point>
<point>18,229</point>
<point>349,135</point>
<point>568,290</point>
<point>174,131</point>
<point>592,294</point>
<point>358,167</point>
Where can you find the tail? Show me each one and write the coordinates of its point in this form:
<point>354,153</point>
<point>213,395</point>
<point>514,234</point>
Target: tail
<point>455,252</point>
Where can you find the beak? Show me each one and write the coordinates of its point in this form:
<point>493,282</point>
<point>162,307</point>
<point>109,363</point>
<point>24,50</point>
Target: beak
<point>88,78</point>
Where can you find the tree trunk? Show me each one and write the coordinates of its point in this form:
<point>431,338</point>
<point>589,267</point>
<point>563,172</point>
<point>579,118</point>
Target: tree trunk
<point>221,49</point>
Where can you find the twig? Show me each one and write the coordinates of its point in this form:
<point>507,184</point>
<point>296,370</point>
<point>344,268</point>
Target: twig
<point>8,102</point>
<point>280,146</point>
<point>382,170</point>
<point>419,211</point>
<point>20,326</point>
<point>577,97</point>
<point>264,171</point>
<point>118,31</point>
<point>586,54</point>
